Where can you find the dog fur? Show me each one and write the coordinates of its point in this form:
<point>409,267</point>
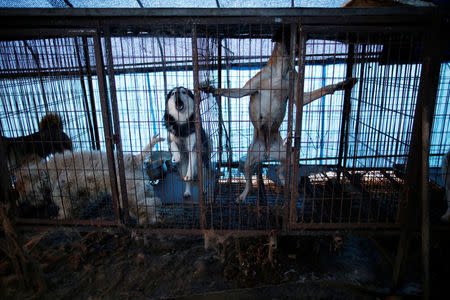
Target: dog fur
<point>70,177</point>
<point>268,91</point>
<point>48,140</point>
<point>179,120</point>
<point>446,177</point>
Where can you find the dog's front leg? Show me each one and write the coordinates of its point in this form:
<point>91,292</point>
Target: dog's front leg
<point>192,166</point>
<point>192,163</point>
<point>176,156</point>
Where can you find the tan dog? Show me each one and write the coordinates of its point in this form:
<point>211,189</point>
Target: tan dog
<point>71,176</point>
<point>268,91</point>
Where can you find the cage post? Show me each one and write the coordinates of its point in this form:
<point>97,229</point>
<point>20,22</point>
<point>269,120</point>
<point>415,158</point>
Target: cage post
<point>298,122</point>
<point>116,126</point>
<point>198,126</point>
<point>91,92</point>
<point>288,185</point>
<point>427,95</point>
<point>107,124</point>
<point>418,158</point>
<point>343,144</point>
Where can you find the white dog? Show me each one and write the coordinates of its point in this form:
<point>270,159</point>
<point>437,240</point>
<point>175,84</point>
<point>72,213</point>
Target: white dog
<point>70,176</point>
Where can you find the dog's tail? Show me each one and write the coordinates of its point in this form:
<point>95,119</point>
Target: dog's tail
<point>139,159</point>
<point>51,121</point>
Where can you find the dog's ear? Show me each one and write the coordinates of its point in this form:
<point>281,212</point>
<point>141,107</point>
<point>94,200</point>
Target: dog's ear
<point>168,94</point>
<point>190,93</point>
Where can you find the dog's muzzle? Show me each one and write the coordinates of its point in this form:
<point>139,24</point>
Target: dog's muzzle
<point>179,104</point>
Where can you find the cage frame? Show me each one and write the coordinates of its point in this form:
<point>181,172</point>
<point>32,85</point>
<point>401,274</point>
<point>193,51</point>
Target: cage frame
<point>39,23</point>
<point>18,24</point>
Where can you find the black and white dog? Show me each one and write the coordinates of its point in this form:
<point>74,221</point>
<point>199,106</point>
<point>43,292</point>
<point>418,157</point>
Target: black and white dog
<point>179,120</point>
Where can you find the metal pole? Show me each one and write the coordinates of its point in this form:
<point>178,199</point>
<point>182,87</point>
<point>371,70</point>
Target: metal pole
<point>343,145</point>
<point>288,184</point>
<point>198,127</point>
<point>107,125</point>
<point>298,124</point>
<point>418,159</point>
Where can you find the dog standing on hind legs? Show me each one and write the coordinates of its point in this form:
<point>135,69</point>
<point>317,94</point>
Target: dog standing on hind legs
<point>268,91</point>
<point>179,119</point>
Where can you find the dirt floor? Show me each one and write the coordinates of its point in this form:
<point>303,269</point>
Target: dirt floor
<point>123,265</point>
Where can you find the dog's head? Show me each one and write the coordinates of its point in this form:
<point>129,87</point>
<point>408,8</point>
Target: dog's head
<point>180,104</point>
<point>283,36</point>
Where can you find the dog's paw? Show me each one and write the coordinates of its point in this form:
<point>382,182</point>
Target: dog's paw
<point>157,139</point>
<point>241,198</point>
<point>207,87</point>
<point>349,83</point>
<point>187,178</point>
<point>187,194</point>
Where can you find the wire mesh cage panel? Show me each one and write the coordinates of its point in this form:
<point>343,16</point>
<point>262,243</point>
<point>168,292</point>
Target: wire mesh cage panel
<point>216,124</point>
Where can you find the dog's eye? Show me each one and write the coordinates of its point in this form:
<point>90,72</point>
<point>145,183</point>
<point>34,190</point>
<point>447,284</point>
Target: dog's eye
<point>183,92</point>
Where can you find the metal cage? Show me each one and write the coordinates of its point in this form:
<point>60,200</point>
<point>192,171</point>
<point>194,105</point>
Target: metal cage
<point>356,151</point>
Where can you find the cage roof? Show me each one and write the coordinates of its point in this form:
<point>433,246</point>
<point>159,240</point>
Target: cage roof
<point>165,4</point>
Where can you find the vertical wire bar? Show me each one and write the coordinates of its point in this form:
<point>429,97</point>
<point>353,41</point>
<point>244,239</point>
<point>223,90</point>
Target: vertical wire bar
<point>362,86</point>
<point>38,66</point>
<point>298,122</point>
<point>198,126</point>
<point>287,215</point>
<point>107,123</point>
<point>84,92</point>
<point>96,146</point>
<point>221,124</point>
<point>219,99</point>
<point>116,127</point>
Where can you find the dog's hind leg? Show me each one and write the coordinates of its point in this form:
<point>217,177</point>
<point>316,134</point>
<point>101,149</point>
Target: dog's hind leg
<point>255,153</point>
<point>277,152</point>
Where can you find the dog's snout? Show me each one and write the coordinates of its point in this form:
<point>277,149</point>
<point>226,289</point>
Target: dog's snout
<point>178,102</point>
